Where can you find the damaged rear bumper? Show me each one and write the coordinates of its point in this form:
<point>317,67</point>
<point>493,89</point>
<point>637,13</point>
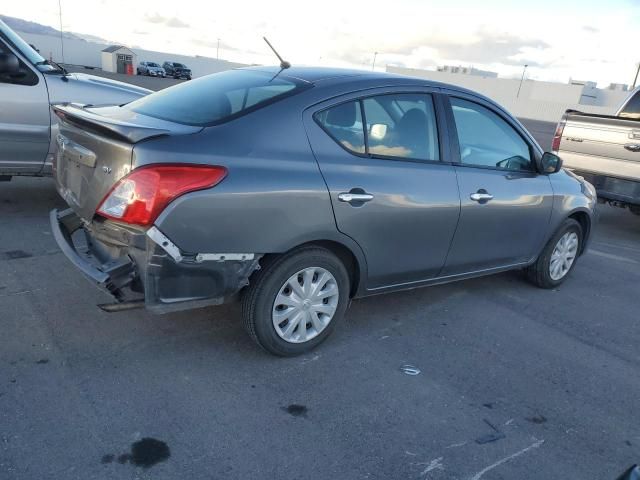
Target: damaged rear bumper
<point>135,264</point>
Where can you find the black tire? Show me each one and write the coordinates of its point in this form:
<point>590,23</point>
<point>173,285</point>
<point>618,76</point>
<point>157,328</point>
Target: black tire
<point>538,273</point>
<point>635,209</point>
<point>258,298</point>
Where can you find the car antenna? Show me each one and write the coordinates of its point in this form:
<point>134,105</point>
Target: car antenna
<point>283,63</point>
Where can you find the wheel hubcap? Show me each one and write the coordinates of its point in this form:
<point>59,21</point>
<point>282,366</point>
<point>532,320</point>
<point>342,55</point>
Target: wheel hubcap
<point>305,305</point>
<point>563,256</point>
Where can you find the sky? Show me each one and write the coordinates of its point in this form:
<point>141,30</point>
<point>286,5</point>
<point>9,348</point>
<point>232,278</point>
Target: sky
<point>559,40</point>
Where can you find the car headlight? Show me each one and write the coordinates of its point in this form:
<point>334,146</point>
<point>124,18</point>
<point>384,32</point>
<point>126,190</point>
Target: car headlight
<point>588,190</point>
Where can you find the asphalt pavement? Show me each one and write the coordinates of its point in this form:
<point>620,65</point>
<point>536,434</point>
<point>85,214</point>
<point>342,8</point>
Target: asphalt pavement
<point>514,382</point>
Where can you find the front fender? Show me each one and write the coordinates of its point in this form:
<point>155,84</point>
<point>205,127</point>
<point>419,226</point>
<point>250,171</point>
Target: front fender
<point>573,197</point>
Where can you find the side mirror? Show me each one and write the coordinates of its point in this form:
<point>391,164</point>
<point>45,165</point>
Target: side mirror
<point>550,163</point>
<point>9,63</point>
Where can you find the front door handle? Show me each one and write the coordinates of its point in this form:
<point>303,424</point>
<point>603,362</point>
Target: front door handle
<point>355,197</point>
<point>633,147</point>
<point>481,196</point>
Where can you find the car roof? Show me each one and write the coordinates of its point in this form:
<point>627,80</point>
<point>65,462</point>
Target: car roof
<point>334,76</point>
<point>348,79</point>
<point>320,74</point>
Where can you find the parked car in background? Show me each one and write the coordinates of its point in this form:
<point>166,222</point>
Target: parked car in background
<point>177,70</point>
<point>605,150</point>
<point>28,83</point>
<point>151,69</point>
<point>301,189</point>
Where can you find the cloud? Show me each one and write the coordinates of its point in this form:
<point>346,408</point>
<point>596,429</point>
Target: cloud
<point>173,22</point>
<point>480,48</point>
<point>485,47</point>
<point>176,23</point>
<point>202,42</point>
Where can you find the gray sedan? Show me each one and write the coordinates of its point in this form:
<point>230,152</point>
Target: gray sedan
<point>296,190</point>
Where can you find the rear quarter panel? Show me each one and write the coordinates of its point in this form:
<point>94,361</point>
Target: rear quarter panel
<point>273,198</point>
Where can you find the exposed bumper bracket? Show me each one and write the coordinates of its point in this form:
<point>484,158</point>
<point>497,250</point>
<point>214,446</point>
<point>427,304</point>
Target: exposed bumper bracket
<point>112,276</point>
<point>167,245</point>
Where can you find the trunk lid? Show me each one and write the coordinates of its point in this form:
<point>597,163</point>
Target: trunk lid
<point>95,150</point>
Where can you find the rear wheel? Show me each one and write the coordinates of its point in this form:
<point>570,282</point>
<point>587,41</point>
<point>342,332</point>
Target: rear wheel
<point>558,257</point>
<point>294,303</point>
<point>635,209</point>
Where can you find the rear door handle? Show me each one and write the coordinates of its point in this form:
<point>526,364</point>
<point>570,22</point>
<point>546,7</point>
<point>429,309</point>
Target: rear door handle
<point>355,197</point>
<point>481,197</point>
<point>633,147</point>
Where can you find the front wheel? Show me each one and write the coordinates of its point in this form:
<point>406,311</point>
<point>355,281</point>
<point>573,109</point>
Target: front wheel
<point>294,302</point>
<point>558,257</point>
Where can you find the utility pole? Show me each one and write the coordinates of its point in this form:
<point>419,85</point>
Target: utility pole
<point>218,50</point>
<point>635,80</point>
<point>373,65</point>
<point>61,36</point>
<point>521,80</point>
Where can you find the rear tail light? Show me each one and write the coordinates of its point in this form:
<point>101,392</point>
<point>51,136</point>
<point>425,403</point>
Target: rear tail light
<point>142,195</point>
<point>557,136</point>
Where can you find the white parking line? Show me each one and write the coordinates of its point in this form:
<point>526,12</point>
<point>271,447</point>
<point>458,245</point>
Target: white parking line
<point>612,256</point>
<point>506,459</point>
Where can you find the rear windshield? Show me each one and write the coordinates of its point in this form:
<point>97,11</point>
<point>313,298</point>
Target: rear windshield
<point>215,98</point>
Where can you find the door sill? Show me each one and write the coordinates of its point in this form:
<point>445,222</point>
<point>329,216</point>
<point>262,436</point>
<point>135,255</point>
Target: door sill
<point>444,279</point>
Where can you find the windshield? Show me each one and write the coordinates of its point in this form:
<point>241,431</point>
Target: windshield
<point>216,98</point>
<point>25,49</point>
<point>179,65</point>
<point>151,64</point>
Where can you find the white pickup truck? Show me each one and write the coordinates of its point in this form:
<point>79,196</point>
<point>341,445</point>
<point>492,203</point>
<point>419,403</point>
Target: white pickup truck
<point>28,85</point>
<point>605,150</point>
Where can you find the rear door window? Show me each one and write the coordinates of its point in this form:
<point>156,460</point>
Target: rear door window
<point>398,126</point>
<point>344,124</point>
<point>216,98</point>
<point>411,130</point>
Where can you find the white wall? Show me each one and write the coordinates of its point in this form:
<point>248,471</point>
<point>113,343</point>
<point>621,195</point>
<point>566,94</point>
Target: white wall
<point>81,52</point>
<point>544,101</point>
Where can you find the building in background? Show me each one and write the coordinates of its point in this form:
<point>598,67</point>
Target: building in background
<point>467,71</point>
<point>622,87</point>
<point>118,59</point>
